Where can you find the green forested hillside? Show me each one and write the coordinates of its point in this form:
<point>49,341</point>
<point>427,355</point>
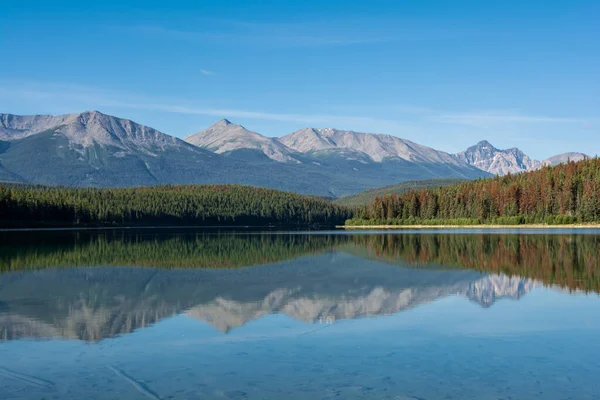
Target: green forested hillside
<point>567,193</point>
<point>35,206</point>
<point>367,196</point>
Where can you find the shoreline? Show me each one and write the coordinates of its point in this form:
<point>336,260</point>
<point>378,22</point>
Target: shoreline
<point>523,226</point>
<point>171,227</point>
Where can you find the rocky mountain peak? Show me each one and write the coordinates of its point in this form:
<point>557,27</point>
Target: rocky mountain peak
<point>376,147</point>
<point>92,113</point>
<point>495,161</point>
<point>485,144</point>
<point>225,136</point>
<point>87,128</point>
<point>223,122</point>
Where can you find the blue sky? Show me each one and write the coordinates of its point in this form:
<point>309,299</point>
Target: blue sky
<point>442,73</point>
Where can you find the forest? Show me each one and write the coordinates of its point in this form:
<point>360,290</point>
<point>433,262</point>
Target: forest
<point>565,194</point>
<point>194,205</point>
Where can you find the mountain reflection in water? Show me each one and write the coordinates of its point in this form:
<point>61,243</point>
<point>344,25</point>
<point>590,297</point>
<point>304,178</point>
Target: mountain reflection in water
<point>96,285</point>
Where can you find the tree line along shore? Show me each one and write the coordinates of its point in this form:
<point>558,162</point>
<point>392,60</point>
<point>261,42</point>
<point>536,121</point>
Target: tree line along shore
<point>167,205</point>
<point>566,195</point>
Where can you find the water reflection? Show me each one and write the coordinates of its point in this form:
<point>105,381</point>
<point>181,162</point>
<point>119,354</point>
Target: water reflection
<point>568,260</point>
<point>97,303</point>
<point>92,286</point>
<point>284,316</point>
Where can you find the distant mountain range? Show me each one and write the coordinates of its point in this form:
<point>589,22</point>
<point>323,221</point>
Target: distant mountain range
<point>501,162</point>
<point>95,149</point>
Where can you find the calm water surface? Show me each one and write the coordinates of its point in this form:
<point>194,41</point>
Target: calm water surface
<point>182,314</point>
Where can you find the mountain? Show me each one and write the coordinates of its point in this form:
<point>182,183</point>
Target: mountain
<point>6,175</point>
<point>376,147</point>
<point>98,150</point>
<point>13,127</point>
<point>367,196</point>
<point>224,137</point>
<point>498,162</point>
<point>92,149</point>
<point>501,162</point>
<point>331,149</point>
<point>563,158</point>
<point>390,158</point>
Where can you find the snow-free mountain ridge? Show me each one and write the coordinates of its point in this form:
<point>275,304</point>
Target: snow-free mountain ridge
<point>86,129</point>
<point>377,147</point>
<point>95,149</point>
<point>225,136</point>
<point>488,158</point>
<point>498,162</point>
<point>565,157</point>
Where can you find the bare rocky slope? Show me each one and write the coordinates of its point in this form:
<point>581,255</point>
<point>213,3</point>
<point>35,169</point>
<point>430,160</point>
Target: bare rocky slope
<point>376,147</point>
<point>565,157</point>
<point>498,162</point>
<point>225,136</point>
<point>501,162</point>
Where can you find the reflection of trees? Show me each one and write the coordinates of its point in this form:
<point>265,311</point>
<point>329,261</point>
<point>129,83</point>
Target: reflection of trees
<point>571,261</point>
<point>197,250</point>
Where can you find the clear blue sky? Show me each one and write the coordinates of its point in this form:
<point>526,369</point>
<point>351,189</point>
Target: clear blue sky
<point>442,73</point>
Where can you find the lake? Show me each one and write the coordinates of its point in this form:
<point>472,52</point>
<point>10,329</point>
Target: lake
<point>187,314</point>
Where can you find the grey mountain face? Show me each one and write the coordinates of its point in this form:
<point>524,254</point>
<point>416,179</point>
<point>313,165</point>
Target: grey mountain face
<point>225,137</point>
<point>498,162</point>
<point>313,146</point>
<point>501,162</point>
<point>13,127</point>
<point>94,149</point>
<point>102,302</point>
<point>564,157</point>
<point>375,147</point>
<point>88,129</point>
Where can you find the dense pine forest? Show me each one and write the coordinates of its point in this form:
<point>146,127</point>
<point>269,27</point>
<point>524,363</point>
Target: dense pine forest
<point>564,194</point>
<point>206,205</point>
<point>568,193</point>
